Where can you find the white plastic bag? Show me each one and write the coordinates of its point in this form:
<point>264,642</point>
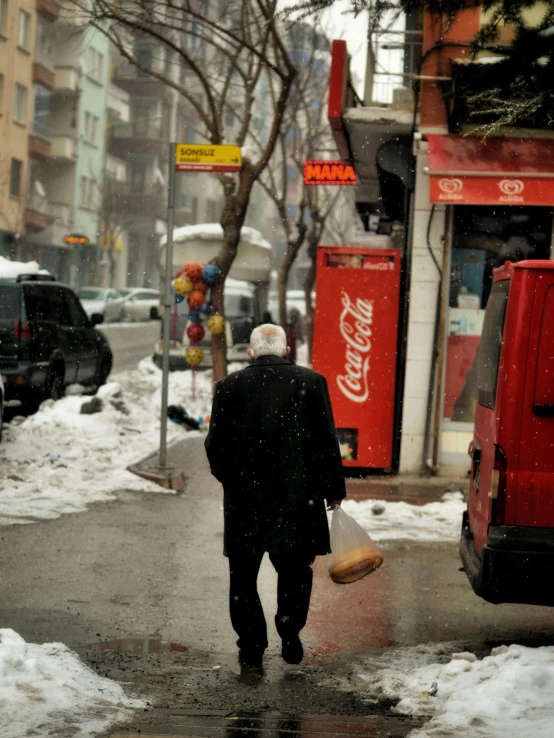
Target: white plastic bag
<point>354,555</point>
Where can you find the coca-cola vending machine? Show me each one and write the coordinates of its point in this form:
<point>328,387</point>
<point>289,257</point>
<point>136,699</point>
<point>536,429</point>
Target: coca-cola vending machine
<point>355,347</point>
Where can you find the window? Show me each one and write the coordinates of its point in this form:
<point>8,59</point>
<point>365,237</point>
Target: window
<point>543,401</point>
<point>20,104</point>
<point>15,177</point>
<point>3,17</point>
<point>77,315</point>
<point>41,119</point>
<point>46,304</point>
<point>23,30</point>
<point>138,177</point>
<point>92,194</point>
<point>84,190</point>
<point>91,128</point>
<point>491,343</point>
<point>95,65</point>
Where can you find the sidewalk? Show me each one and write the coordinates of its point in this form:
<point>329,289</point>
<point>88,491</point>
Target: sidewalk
<point>403,487</point>
<point>409,488</point>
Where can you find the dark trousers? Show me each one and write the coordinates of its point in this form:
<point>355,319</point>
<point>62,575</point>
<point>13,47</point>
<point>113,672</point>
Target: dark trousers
<point>294,588</point>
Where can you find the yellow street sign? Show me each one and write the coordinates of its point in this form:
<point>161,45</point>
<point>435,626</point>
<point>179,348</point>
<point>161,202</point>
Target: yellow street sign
<point>207,158</point>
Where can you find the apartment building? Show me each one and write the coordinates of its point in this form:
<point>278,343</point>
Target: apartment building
<point>158,115</point>
<point>20,73</point>
<point>67,148</point>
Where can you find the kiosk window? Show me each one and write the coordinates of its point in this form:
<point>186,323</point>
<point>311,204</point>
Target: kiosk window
<point>543,402</point>
<point>491,343</point>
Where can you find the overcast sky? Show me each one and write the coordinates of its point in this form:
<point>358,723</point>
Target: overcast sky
<point>339,24</point>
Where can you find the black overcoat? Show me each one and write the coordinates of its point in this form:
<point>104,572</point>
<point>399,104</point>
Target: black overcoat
<point>272,444</point>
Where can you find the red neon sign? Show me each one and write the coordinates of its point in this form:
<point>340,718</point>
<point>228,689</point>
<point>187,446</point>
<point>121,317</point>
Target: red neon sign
<point>328,173</point>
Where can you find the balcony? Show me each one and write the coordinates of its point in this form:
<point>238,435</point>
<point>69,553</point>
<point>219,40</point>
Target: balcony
<point>64,147</point>
<point>394,57</point>
<point>149,204</point>
<point>39,148</point>
<point>43,76</point>
<point>37,213</point>
<point>134,140</point>
<point>71,15</point>
<point>67,79</point>
<point>116,169</point>
<point>48,9</point>
<point>139,84</point>
<point>118,104</point>
<point>62,213</point>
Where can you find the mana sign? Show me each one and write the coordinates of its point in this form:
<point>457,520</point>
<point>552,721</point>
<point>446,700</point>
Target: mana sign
<point>328,173</point>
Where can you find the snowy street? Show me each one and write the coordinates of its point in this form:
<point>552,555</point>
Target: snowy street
<point>137,586</point>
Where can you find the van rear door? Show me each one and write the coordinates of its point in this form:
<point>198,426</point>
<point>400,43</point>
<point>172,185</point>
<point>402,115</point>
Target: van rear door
<point>482,449</point>
<point>535,490</point>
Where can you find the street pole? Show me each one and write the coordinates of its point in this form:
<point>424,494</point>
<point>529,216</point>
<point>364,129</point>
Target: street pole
<point>168,302</point>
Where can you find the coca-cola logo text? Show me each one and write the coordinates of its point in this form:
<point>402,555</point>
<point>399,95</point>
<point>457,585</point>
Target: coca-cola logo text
<point>355,327</point>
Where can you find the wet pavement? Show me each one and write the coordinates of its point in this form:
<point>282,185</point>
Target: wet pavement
<point>139,588</point>
<point>269,725</point>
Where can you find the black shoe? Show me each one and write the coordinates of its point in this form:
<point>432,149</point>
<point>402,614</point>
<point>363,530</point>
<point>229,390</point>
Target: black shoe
<point>292,651</point>
<point>252,658</point>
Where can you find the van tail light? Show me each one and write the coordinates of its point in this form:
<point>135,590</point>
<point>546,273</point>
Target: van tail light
<point>498,487</point>
<point>21,330</point>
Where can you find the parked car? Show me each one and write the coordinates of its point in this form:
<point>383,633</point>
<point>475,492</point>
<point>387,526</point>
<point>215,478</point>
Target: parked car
<point>105,302</point>
<point>1,406</point>
<point>507,541</point>
<point>142,304</point>
<point>47,341</point>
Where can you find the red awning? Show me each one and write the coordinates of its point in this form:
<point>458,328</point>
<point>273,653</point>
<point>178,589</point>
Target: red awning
<point>498,171</point>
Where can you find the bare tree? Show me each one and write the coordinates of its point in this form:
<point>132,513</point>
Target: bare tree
<point>305,128</point>
<point>339,225</point>
<point>228,48</point>
<point>115,222</point>
<point>321,202</point>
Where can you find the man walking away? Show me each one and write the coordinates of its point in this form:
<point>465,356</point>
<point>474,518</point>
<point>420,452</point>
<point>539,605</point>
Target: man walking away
<point>273,446</point>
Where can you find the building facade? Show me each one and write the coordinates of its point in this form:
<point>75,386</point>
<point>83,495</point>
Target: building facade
<point>459,206</point>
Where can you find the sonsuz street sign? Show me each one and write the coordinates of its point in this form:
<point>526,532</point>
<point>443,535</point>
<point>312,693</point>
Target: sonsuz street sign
<point>328,173</point>
<point>207,158</point>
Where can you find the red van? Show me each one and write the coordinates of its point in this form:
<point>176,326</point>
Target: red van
<point>507,542</point>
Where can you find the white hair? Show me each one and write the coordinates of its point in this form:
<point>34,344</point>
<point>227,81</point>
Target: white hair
<point>268,340</point>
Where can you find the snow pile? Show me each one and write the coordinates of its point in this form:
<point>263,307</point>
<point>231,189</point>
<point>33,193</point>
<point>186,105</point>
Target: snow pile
<point>60,460</point>
<point>508,694</point>
<point>214,232</point>
<point>435,521</point>
<point>47,690</point>
<point>12,269</point>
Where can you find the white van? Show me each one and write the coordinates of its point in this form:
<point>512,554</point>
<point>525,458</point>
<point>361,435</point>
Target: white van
<point>242,315</point>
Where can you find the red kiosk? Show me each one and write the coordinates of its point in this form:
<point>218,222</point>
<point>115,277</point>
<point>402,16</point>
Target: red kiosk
<point>355,348</point>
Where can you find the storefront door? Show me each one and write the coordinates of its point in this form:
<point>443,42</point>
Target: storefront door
<point>483,237</point>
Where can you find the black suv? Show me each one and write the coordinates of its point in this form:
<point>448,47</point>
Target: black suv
<point>47,342</point>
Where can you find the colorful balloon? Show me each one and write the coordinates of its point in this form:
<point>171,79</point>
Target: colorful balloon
<point>179,298</point>
<point>216,324</point>
<point>193,270</point>
<point>182,286</point>
<point>196,332</point>
<point>194,356</point>
<point>196,299</point>
<point>207,308</point>
<point>210,274</point>
<point>195,316</point>
<point>200,286</point>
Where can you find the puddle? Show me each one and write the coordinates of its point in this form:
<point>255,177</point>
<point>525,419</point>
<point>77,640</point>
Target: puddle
<point>138,645</point>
